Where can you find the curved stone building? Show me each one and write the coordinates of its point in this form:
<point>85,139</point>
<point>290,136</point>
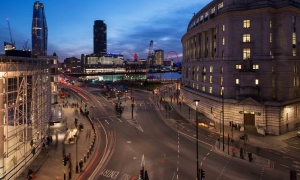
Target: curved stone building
<point>244,54</point>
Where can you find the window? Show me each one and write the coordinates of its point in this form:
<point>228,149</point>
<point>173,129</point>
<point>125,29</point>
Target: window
<point>237,81</point>
<point>220,6</point>
<point>197,68</point>
<point>294,52</point>
<point>197,86</point>
<point>210,90</point>
<point>223,27</point>
<point>203,88</point>
<point>270,24</point>
<point>221,70</point>
<point>197,77</point>
<point>255,66</point>
<point>246,23</point>
<point>223,54</point>
<point>296,81</point>
<point>201,17</point>
<point>246,53</point>
<point>246,37</point>
<point>238,66</point>
<point>210,68</point>
<point>293,19</point>
<point>221,80</point>
<point>203,78</point>
<point>271,52</point>
<point>295,69</point>
<point>256,82</point>
<point>273,82</point>
<point>210,79</point>
<point>223,40</point>
<point>271,39</point>
<point>294,38</point>
<point>206,14</point>
<point>212,11</point>
<point>273,69</point>
<point>193,85</point>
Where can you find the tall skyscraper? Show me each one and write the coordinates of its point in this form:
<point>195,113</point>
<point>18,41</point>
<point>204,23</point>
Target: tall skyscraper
<point>39,30</point>
<point>99,37</point>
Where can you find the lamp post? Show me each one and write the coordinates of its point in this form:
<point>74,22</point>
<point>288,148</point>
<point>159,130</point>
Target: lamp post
<point>223,114</point>
<point>197,102</point>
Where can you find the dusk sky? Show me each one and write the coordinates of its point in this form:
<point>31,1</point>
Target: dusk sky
<point>131,24</point>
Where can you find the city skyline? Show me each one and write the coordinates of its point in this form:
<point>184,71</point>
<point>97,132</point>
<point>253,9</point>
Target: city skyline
<point>131,25</point>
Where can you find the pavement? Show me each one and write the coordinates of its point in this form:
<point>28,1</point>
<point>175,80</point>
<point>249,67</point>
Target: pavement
<point>49,165</point>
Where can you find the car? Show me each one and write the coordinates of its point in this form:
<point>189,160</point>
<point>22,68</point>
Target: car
<point>298,133</point>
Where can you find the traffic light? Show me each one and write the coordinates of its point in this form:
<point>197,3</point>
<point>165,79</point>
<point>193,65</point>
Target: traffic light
<point>132,100</point>
<point>64,161</point>
<point>141,175</point>
<point>146,175</point>
<point>202,174</point>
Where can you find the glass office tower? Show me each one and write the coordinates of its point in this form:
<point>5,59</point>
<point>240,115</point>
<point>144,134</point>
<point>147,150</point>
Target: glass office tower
<point>39,30</point>
<point>99,37</point>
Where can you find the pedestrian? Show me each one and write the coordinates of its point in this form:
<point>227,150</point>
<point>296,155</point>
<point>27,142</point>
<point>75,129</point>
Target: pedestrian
<point>80,165</point>
<point>33,151</point>
<point>250,156</point>
<point>50,139</point>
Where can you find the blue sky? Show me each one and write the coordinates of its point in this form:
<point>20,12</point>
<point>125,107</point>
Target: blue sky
<point>131,24</point>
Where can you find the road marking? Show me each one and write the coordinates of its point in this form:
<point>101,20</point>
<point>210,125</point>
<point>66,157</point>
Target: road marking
<point>109,173</point>
<point>106,121</point>
<point>119,119</point>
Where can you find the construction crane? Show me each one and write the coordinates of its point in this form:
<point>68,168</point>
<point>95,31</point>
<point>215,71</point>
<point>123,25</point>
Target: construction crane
<point>12,43</point>
<point>25,47</point>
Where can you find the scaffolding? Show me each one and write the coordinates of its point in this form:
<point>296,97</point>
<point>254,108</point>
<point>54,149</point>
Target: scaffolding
<point>25,110</point>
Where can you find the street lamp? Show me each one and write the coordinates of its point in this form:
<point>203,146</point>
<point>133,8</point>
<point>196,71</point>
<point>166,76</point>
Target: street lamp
<point>197,102</point>
<point>222,93</point>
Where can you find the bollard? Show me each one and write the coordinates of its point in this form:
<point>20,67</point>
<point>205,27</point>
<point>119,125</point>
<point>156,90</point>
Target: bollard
<point>87,154</point>
<point>70,174</point>
<point>84,158</point>
<point>64,175</point>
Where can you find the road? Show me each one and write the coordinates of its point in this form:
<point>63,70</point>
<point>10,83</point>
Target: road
<point>166,146</point>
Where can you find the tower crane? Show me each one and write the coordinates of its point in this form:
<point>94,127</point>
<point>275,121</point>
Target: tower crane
<point>25,47</point>
<point>12,43</point>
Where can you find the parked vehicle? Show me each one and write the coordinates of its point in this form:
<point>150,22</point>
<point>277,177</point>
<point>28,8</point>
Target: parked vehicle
<point>298,133</point>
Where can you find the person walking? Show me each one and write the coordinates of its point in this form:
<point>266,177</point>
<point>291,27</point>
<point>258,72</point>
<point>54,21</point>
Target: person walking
<point>80,165</point>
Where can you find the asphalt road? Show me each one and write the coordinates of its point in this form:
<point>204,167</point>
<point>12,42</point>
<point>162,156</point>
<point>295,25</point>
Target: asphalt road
<point>167,148</point>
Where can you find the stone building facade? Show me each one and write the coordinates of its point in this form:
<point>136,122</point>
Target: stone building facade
<point>246,55</point>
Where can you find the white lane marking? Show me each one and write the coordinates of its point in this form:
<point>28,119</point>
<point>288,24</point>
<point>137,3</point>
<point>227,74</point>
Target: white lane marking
<point>284,165</point>
<point>106,121</point>
<point>119,119</point>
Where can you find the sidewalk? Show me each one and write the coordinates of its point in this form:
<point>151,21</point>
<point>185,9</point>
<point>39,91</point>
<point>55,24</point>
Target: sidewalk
<point>49,165</point>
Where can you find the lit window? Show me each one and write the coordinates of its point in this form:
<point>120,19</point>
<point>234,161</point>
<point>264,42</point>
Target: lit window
<point>193,85</point>
<point>206,14</point>
<point>210,90</point>
<point>203,88</point>
<point>270,24</point>
<point>203,78</point>
<point>273,69</point>
<point>201,18</point>
<point>223,27</point>
<point>221,70</point>
<point>238,66</point>
<point>220,6</point>
<point>210,79</point>
<point>197,77</point>
<point>273,82</point>
<point>256,81</point>
<point>294,52</point>
<point>213,10</point>
<point>271,52</point>
<point>223,40</point>
<point>197,68</point>
<point>210,68</point>
<point>237,81</point>
<point>197,86</point>
<point>221,80</point>
<point>246,53</point>
<point>255,66</point>
<point>246,37</point>
<point>294,38</point>
<point>271,39</point>
<point>246,23</point>
<point>295,69</point>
